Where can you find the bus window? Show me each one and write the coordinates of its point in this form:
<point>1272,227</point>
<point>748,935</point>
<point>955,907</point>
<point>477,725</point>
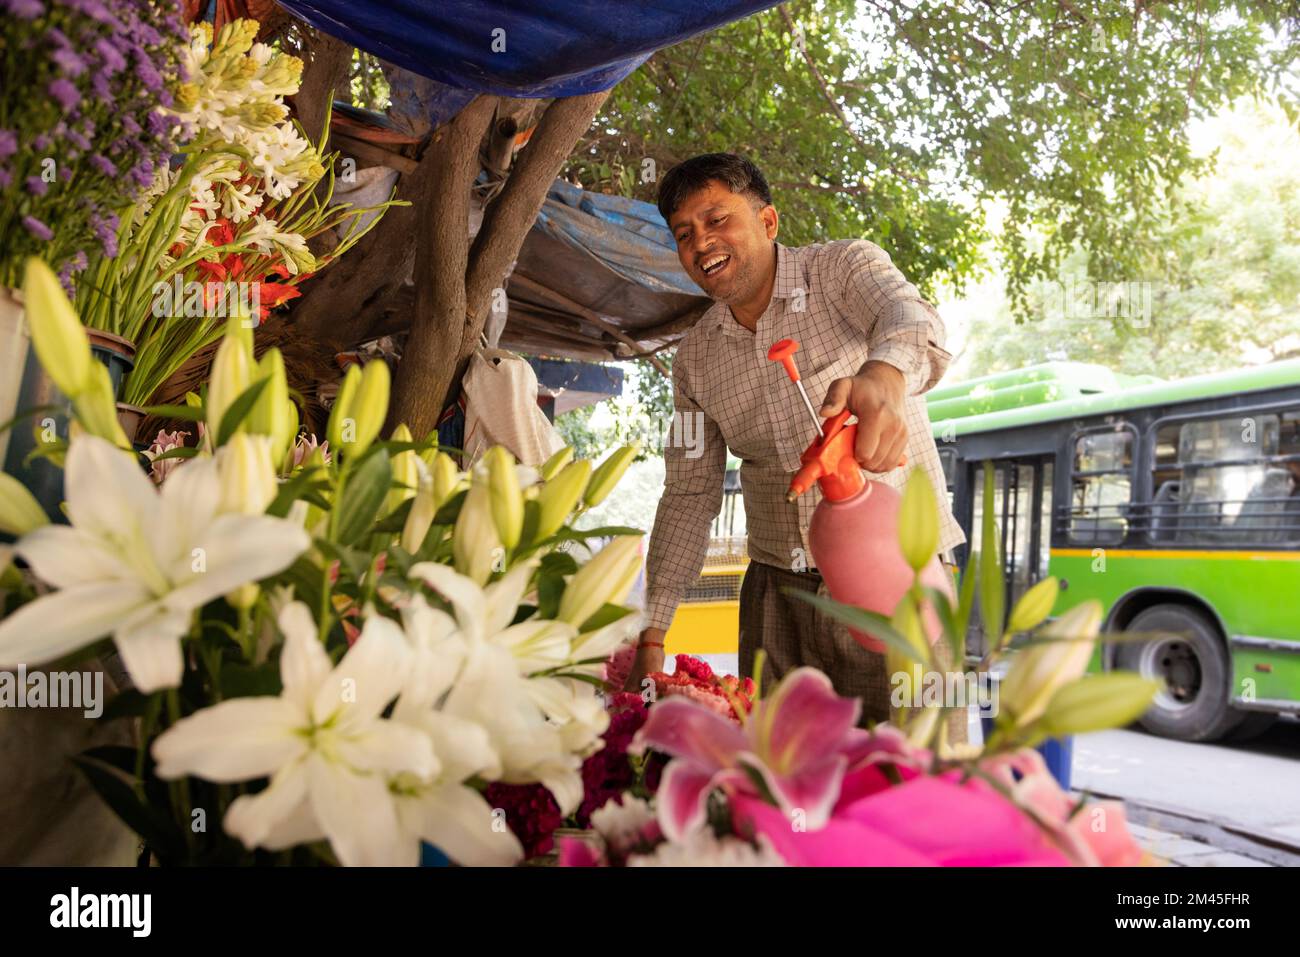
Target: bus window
<point>1100,486</point>
<point>1231,480</point>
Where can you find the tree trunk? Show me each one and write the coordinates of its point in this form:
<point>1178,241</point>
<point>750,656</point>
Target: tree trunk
<point>447,171</point>
<point>454,284</point>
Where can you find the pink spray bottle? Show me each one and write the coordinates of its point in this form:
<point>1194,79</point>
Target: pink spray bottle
<point>854,530</point>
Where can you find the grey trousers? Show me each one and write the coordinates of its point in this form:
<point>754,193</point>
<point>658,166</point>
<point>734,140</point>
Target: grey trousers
<point>792,634</point>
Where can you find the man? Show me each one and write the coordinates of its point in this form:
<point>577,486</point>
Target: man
<point>867,341</point>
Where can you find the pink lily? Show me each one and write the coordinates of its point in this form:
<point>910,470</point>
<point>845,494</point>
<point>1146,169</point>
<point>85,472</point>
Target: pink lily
<point>800,741</point>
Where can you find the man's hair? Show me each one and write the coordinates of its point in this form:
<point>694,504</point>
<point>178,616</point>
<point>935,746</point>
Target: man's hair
<point>738,173</point>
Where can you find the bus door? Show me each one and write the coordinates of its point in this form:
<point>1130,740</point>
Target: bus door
<point>1022,501</point>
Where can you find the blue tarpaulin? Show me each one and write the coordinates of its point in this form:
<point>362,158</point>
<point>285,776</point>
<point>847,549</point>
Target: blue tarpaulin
<point>627,235</point>
<point>528,48</point>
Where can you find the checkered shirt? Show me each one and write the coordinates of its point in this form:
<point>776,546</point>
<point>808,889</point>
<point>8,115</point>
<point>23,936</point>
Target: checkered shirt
<point>845,303</point>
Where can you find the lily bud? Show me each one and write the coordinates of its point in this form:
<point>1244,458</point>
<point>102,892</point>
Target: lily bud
<point>370,407</point>
<point>606,579</point>
<point>230,377</point>
<point>475,547</point>
<point>608,473</point>
<point>560,495</point>
<point>247,475</point>
<point>96,408</point>
<point>406,478</point>
<point>273,414</point>
<point>505,495</point>
<point>1098,702</point>
<point>446,477</point>
<point>918,521</point>
<point>556,462</point>
<point>57,334</point>
<point>341,420</point>
<point>1034,605</point>
<point>19,510</point>
<point>1039,670</point>
<point>420,517</point>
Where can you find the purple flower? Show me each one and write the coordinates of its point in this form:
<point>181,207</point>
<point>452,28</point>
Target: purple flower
<point>69,62</point>
<point>41,143</point>
<point>112,60</point>
<point>104,165</point>
<point>36,186</point>
<point>37,228</point>
<point>130,125</point>
<point>6,178</point>
<point>94,9</point>
<point>24,9</point>
<point>65,92</point>
<point>99,85</point>
<point>77,140</point>
<point>8,144</point>
<point>148,76</point>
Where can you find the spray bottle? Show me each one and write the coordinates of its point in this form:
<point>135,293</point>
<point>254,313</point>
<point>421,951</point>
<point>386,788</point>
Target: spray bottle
<point>854,530</point>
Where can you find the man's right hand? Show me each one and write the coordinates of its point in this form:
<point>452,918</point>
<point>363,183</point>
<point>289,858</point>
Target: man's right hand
<point>648,659</point>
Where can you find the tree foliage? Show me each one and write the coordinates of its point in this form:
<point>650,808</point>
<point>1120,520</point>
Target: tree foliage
<point>1225,284</point>
<point>900,121</point>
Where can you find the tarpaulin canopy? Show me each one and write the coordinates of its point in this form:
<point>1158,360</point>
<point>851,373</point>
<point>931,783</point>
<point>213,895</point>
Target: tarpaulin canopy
<point>629,236</point>
<point>590,265</point>
<point>521,48</point>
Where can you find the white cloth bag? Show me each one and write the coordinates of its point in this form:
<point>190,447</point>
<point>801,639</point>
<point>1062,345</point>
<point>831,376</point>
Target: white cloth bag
<point>501,409</point>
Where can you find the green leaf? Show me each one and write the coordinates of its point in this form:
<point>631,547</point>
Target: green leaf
<point>395,521</point>
<point>239,410</point>
<point>295,488</point>
<point>607,614</point>
<point>180,452</point>
<point>186,413</point>
<point>239,680</point>
<point>860,619</point>
<point>363,496</point>
<point>966,598</point>
<point>117,789</point>
<point>992,585</point>
<point>449,511</point>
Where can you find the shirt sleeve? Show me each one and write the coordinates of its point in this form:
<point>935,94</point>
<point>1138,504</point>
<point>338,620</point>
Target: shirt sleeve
<point>695,463</point>
<point>902,329</point>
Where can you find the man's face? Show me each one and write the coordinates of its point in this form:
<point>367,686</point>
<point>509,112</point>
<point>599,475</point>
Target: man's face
<point>718,228</point>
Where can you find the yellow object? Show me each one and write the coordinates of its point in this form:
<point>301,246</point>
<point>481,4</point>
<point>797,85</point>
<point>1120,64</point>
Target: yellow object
<point>708,619</point>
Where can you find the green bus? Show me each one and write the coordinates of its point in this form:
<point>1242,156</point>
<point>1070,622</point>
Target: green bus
<point>1175,503</point>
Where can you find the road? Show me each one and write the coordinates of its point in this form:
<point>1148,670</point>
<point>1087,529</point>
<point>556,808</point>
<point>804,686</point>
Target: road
<point>1253,785</point>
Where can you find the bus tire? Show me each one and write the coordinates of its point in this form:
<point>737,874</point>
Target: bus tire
<point>1194,664</point>
<point>1253,724</point>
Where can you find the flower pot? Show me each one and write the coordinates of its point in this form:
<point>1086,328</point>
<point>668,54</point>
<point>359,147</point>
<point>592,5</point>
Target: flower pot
<point>116,353</point>
<point>36,390</point>
<point>129,418</point>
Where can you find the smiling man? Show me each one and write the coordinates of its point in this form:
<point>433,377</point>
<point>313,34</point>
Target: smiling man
<point>867,340</point>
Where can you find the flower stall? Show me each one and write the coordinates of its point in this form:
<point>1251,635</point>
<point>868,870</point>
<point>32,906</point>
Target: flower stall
<point>344,646</point>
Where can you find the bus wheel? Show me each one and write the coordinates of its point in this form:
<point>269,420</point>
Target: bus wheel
<point>1194,666</point>
<point>1252,725</point>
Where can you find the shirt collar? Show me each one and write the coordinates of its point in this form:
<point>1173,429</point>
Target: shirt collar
<point>788,279</point>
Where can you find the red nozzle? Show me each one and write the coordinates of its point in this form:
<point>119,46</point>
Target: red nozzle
<point>830,462</point>
<point>783,352</point>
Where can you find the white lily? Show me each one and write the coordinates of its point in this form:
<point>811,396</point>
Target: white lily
<point>323,742</point>
<point>136,562</point>
<point>445,811</point>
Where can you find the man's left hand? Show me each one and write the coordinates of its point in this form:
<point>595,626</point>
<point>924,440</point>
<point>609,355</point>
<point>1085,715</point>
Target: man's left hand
<point>876,395</point>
